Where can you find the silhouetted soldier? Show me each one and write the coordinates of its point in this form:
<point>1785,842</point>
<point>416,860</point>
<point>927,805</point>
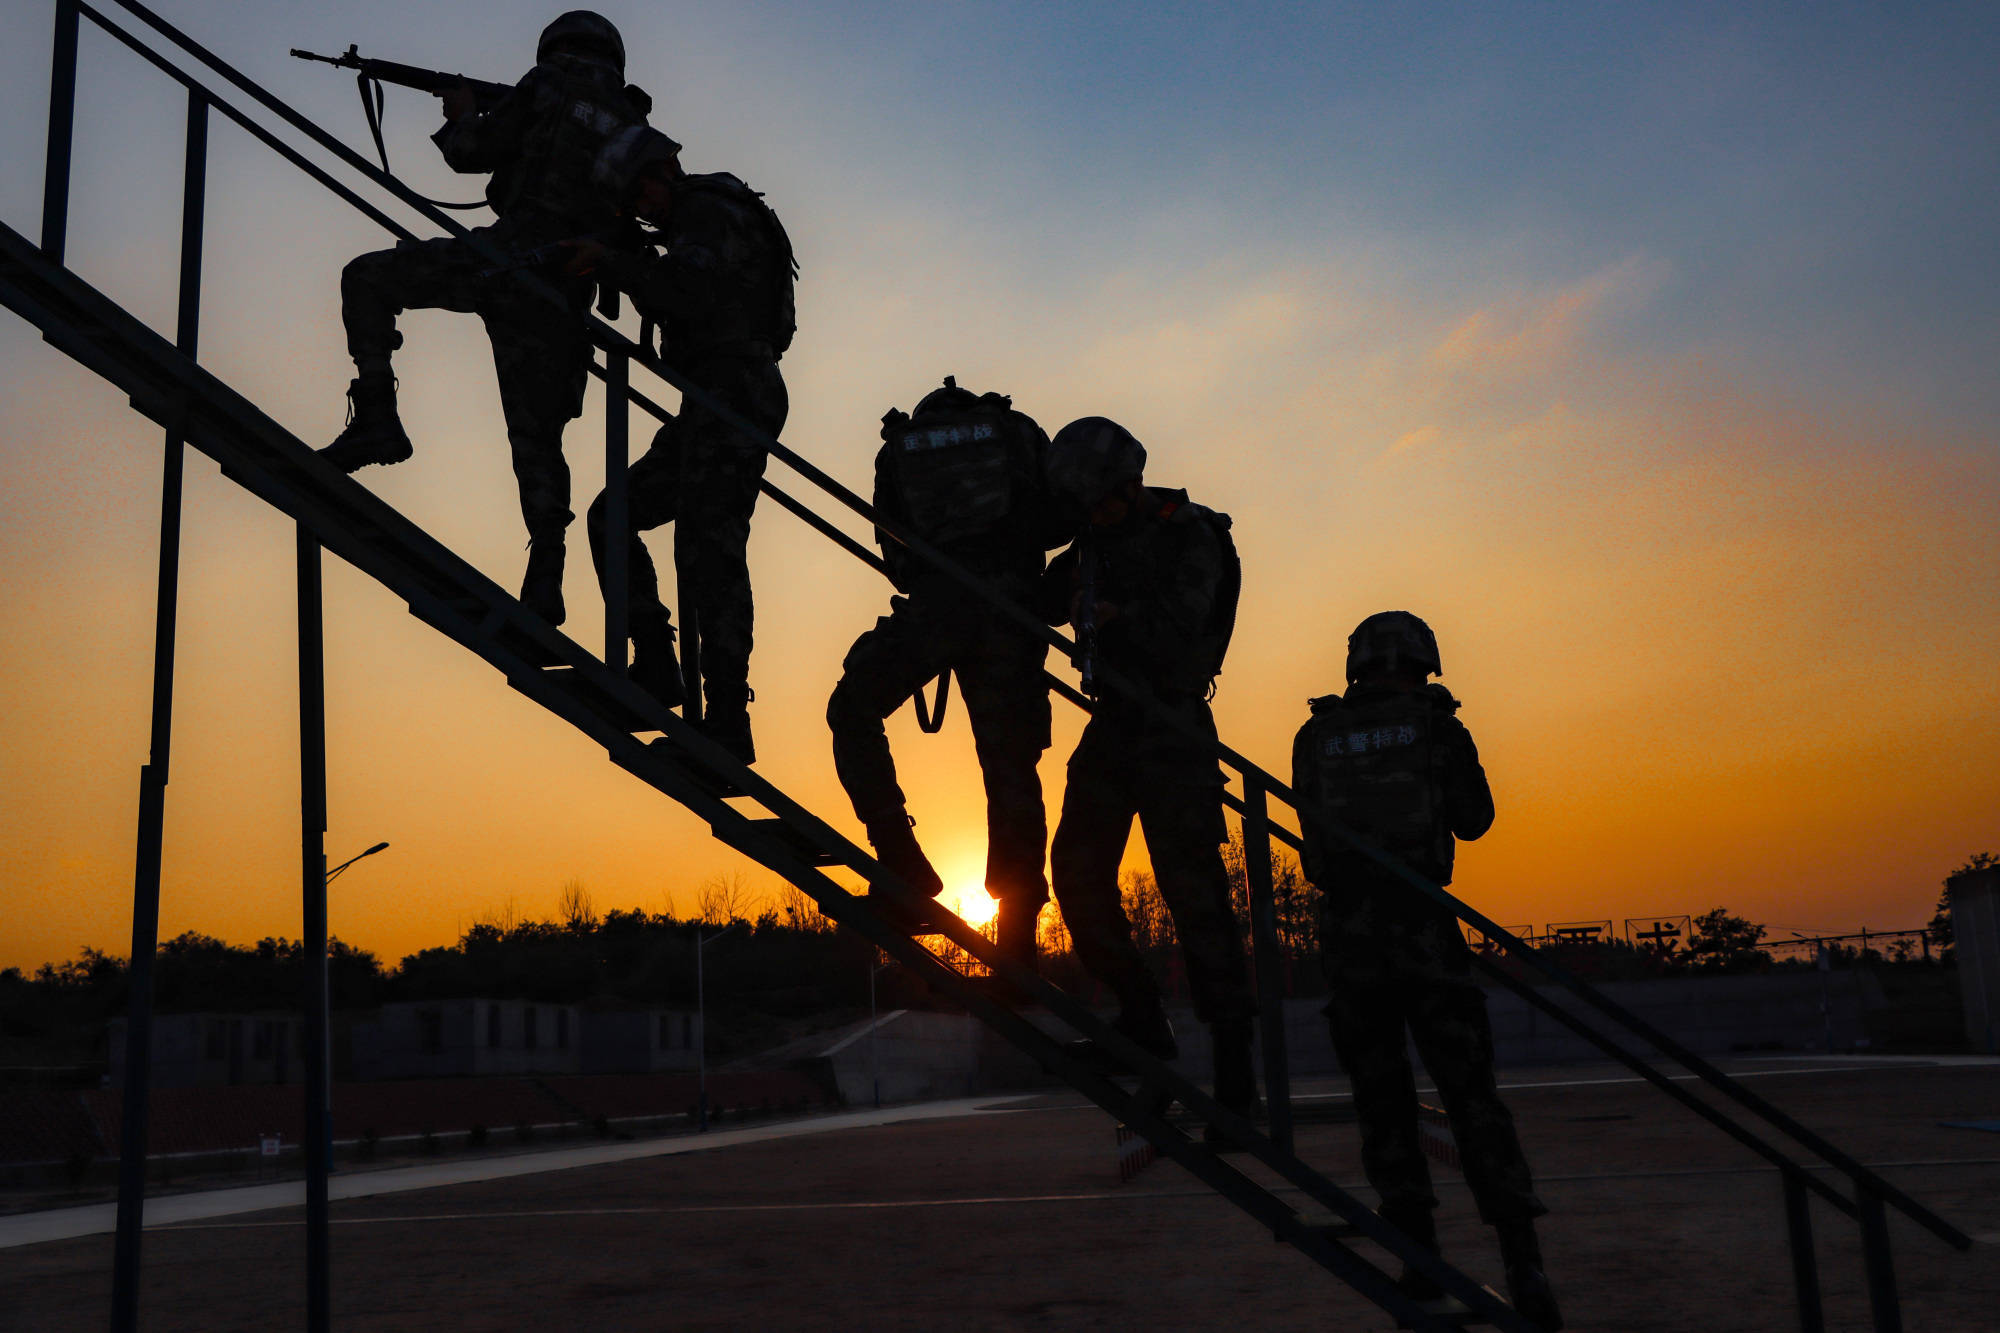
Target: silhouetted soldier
<point>540,142</point>
<point>965,473</point>
<point>1391,763</point>
<point>1153,580</point>
<point>722,296</point>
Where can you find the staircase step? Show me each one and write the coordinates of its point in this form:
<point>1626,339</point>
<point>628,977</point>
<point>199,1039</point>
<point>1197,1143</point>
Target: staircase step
<point>796,841</point>
<point>581,685</point>
<point>1327,1223</point>
<point>715,784</point>
<point>1451,1310</point>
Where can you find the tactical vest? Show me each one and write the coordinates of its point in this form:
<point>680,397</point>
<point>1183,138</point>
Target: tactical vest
<point>955,470</point>
<point>778,322</point>
<point>1381,769</point>
<point>578,106</point>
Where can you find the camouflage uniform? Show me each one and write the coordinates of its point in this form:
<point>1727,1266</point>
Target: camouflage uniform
<point>1164,568</point>
<point>1399,769</point>
<point>970,482</point>
<point>721,295</point>
<point>539,149</point>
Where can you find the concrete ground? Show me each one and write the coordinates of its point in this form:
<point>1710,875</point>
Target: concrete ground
<point>1013,1217</point>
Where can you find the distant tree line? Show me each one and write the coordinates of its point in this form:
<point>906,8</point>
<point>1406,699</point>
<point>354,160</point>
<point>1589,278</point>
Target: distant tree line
<point>782,970</point>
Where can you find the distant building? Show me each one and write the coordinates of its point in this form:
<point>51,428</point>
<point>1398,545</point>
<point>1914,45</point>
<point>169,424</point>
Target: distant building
<point>640,1041</point>
<point>446,1038</point>
<point>209,1049</point>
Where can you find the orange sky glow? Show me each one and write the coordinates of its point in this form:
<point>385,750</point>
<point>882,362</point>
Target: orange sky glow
<point>1724,620</point>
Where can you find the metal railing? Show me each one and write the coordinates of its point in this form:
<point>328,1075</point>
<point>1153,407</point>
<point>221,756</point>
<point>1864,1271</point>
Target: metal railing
<point>1871,1195</point>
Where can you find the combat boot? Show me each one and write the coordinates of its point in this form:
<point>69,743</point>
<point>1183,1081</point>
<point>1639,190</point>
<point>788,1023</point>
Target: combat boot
<point>726,720</point>
<point>541,590</point>
<point>374,432</point>
<point>1014,930</point>
<point>1235,1073</point>
<point>1420,1225</point>
<point>655,667</point>
<point>897,849</point>
<point>1527,1285</point>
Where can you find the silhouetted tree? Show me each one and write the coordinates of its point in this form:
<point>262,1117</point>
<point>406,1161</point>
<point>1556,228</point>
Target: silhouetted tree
<point>1940,923</point>
<point>1725,943</point>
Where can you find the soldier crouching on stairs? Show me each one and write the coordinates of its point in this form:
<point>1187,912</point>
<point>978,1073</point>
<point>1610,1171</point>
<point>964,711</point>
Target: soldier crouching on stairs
<point>1153,580</point>
<point>722,297</point>
<point>1391,763</point>
<point>965,473</point>
<point>540,142</point>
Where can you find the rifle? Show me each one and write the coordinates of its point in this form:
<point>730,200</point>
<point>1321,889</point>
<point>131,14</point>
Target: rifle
<point>520,259</point>
<point>371,74</point>
<point>625,235</point>
<point>434,81</point>
<point>1086,620</point>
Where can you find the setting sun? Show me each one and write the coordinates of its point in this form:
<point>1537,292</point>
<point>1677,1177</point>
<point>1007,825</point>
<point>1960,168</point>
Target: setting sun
<point>971,903</point>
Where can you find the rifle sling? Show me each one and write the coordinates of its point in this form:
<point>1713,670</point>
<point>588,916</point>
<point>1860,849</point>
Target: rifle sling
<point>371,107</point>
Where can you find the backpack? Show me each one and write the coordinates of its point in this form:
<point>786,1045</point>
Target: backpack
<point>955,469</point>
<point>1221,626</point>
<point>783,318</point>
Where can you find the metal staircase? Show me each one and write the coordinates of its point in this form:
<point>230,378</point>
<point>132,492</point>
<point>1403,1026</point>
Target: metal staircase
<point>334,513</point>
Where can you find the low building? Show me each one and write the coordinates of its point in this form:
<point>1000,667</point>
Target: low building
<point>211,1049</point>
<point>640,1041</point>
<point>444,1038</point>
<point>448,1038</point>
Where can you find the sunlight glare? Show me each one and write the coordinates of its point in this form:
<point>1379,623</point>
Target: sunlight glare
<point>972,904</point>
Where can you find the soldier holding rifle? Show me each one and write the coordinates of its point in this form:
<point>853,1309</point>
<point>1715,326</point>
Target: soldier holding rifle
<point>540,141</point>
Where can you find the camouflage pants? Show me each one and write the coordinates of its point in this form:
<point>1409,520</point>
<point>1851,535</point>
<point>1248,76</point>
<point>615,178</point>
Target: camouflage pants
<point>1126,766</point>
<point>701,474</point>
<point>999,673</point>
<point>1447,1018</point>
<point>541,353</point>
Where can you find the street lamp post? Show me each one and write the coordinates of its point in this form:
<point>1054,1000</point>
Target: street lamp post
<point>1823,964</point>
<point>701,1018</point>
<point>874,1069</point>
<point>322,1017</point>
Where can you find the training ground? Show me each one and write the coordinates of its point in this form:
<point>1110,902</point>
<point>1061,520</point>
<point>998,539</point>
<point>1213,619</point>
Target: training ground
<point>1008,1213</point>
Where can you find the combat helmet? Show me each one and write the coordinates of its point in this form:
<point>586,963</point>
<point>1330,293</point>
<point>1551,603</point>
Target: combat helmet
<point>948,397</point>
<point>584,33</point>
<point>1090,458</point>
<point>1392,640</point>
<point>626,156</point>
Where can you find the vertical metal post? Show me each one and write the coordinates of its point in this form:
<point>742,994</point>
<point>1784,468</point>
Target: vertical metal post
<point>874,1069</point>
<point>152,776</point>
<point>1805,1265</point>
<point>1883,1301</point>
<point>617,516</point>
<point>62,124</point>
<point>312,872</point>
<point>1269,962</point>
<point>690,633</point>
<point>700,1036</point>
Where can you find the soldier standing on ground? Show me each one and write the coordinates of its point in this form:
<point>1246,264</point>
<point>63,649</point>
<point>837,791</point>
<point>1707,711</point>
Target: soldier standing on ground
<point>722,297</point>
<point>1391,763</point>
<point>539,142</point>
<point>1156,577</point>
<point>965,473</point>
